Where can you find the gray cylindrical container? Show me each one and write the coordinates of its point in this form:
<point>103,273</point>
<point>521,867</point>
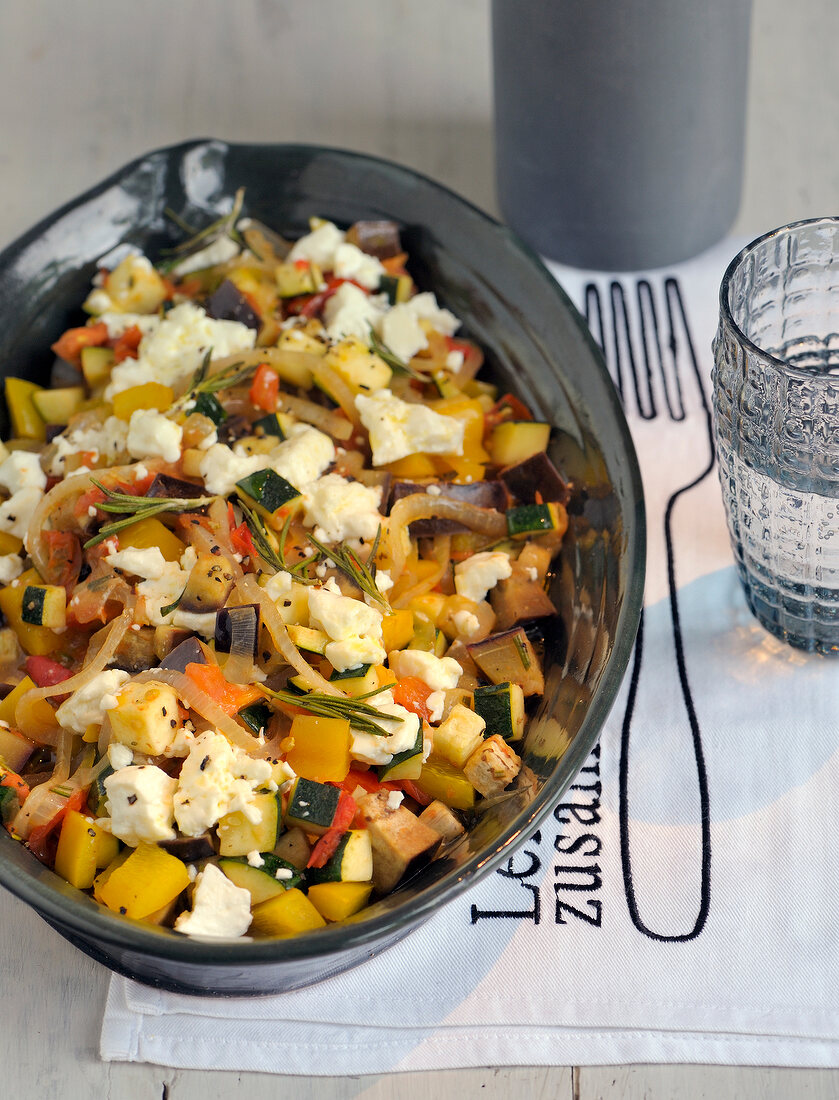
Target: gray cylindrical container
<point>620,125</point>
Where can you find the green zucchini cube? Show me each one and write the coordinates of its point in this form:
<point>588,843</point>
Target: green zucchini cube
<point>268,490</point>
<point>257,716</point>
<point>532,519</point>
<point>407,764</point>
<point>312,806</point>
<point>269,425</point>
<point>352,861</point>
<point>502,708</point>
<point>44,605</point>
<point>207,404</point>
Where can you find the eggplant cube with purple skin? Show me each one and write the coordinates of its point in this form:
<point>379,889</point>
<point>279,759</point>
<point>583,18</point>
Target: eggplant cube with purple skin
<point>492,766</point>
<point>401,842</point>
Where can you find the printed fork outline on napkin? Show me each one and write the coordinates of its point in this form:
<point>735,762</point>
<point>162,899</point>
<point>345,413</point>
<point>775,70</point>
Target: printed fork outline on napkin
<point>541,963</point>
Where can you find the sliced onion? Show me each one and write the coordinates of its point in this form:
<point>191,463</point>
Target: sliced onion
<point>292,366</point>
<point>40,807</point>
<point>201,703</point>
<point>442,553</point>
<point>332,383</point>
<point>319,417</point>
<point>313,680</point>
<point>485,521</point>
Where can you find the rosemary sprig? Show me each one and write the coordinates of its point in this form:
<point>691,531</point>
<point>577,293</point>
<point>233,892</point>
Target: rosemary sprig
<point>362,716</point>
<point>392,359</point>
<point>361,573</point>
<point>171,606</point>
<point>295,570</point>
<point>204,382</point>
<point>262,542</point>
<point>223,226</point>
<point>135,508</point>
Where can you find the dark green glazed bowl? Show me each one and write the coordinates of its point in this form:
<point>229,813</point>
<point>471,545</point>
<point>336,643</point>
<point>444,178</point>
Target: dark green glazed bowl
<point>537,346</point>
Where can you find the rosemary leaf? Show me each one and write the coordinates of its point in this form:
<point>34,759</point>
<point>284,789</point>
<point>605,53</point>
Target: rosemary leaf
<point>361,573</point>
<point>138,508</point>
<point>171,606</point>
<point>392,359</point>
<point>362,716</point>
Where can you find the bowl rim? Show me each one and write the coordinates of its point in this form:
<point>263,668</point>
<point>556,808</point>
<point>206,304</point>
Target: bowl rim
<point>86,918</point>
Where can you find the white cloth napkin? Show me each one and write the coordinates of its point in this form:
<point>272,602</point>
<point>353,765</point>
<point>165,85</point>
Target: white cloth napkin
<point>712,944</point>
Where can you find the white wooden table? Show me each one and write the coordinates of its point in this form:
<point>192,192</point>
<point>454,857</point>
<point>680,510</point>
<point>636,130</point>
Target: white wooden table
<point>86,87</point>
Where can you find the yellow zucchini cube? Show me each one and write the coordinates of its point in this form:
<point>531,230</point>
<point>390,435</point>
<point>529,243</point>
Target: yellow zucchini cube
<point>44,605</point>
<point>285,915</point>
<point>320,747</point>
<point>83,847</point>
<point>238,835</point>
<point>37,640</point>
<point>27,422</point>
<point>149,879</point>
<point>339,900</point>
<point>441,780</point>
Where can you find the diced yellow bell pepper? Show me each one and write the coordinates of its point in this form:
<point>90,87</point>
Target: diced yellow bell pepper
<point>339,900</point>
<point>386,677</point>
<point>151,395</point>
<point>284,915</point>
<point>441,780</point>
<point>321,747</point>
<point>83,847</point>
<point>10,544</point>
<point>42,713</point>
<point>147,533</point>
<point>397,629</point>
<point>430,604</point>
<point>102,878</point>
<point>149,879</point>
<point>412,466</point>
<point>26,420</point>
<point>37,640</point>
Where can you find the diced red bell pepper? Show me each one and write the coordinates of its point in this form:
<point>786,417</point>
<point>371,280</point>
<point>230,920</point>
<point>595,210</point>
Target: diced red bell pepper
<point>310,305</point>
<point>69,345</point>
<point>242,541</point>
<point>507,407</point>
<point>46,672</point>
<point>265,388</point>
<point>64,558</point>
<point>125,347</point>
<point>328,843</point>
<point>43,840</point>
<point>230,697</point>
<point>359,777</point>
<point>413,791</point>
<point>412,693</point>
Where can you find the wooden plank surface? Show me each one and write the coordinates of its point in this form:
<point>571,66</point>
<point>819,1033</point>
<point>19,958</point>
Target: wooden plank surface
<point>86,87</point>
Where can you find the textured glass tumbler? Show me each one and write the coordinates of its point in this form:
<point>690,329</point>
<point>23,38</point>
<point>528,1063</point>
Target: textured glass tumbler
<point>776,423</point>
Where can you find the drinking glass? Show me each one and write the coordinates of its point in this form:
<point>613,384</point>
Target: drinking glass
<point>776,424</point>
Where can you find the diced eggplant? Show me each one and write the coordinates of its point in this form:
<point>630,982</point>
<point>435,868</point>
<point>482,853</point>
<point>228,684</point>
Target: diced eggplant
<point>536,474</point>
<point>232,429</point>
<point>509,655</point>
<point>237,630</point>
<point>228,303</point>
<point>209,584</point>
<point>53,430</point>
<point>189,849</point>
<point>166,638</point>
<point>443,820</point>
<point>492,766</point>
<point>481,494</point>
<point>65,374</point>
<point>136,652</point>
<point>401,842</point>
<point>519,598</point>
<point>166,486</point>
<point>191,652</point>
<point>376,238</point>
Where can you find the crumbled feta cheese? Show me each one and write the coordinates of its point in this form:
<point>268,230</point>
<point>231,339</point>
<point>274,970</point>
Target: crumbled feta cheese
<point>152,435</point>
<point>465,623</point>
<point>403,730</point>
<point>22,470</point>
<point>149,563</point>
<point>221,250</point>
<point>434,490</point>
<point>107,440</point>
<point>117,323</point>
<point>216,779</point>
<point>255,859</point>
<point>140,804</point>
<point>350,312</point>
<point>303,456</point>
<point>120,756</point>
<point>85,707</point>
<point>474,577</point>
<point>172,351</point>
<point>384,581</point>
<point>17,511</point>
<point>435,702</point>
<point>201,622</point>
<point>401,330</point>
<point>339,509</point>
<point>454,360</point>
<point>354,628</point>
<point>11,566</point>
<point>162,584</point>
<point>283,874</point>
<point>349,262</point>
<point>220,908</point>
<point>394,800</point>
<point>532,573</point>
<point>319,246</point>
<point>425,307</point>
<point>440,673</point>
<point>398,428</point>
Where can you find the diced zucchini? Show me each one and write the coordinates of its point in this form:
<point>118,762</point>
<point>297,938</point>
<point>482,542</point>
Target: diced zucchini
<point>362,368</point>
<point>397,287</point>
<point>44,605</point>
<point>37,640</point>
<point>459,735</point>
<point>268,491</point>
<point>357,681</point>
<point>270,425</point>
<point>293,280</point>
<point>207,404</point>
<point>502,708</point>
<point>533,519</point>
<point>285,915</point>
<point>338,900</point>
<point>27,422</point>
<point>262,882</point>
<point>444,384</point>
<point>407,764</point>
<point>257,716</point>
<point>238,835</point>
<point>441,780</point>
<point>57,406</point>
<point>513,441</point>
<point>96,365</point>
<point>351,862</point>
<point>208,586</point>
<point>306,637</point>
<point>312,806</point>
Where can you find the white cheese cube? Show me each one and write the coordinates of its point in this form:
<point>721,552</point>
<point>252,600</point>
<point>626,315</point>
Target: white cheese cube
<point>140,804</point>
